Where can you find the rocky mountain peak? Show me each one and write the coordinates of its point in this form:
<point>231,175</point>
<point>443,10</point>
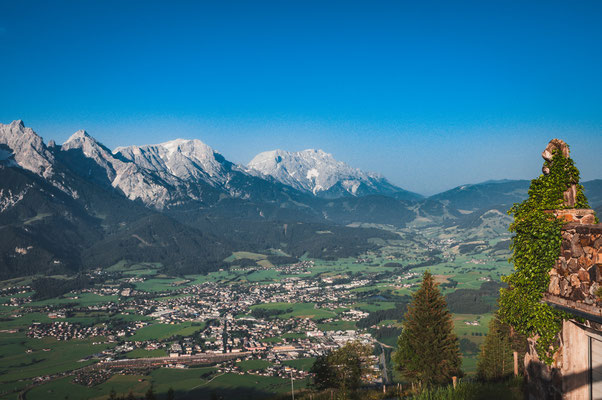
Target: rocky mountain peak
<point>79,135</point>
<point>29,149</point>
<point>18,123</point>
<point>89,146</point>
<point>185,159</point>
<point>318,172</point>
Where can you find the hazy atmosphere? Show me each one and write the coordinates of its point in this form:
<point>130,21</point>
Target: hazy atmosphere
<point>396,88</point>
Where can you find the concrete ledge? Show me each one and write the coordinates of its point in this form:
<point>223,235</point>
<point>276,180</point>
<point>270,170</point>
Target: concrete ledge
<point>588,229</point>
<point>582,310</point>
<point>581,216</point>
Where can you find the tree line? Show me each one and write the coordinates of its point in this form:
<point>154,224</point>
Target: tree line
<point>428,351</point>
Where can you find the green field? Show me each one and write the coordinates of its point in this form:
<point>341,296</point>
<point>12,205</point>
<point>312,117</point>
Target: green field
<point>237,255</point>
<point>253,365</point>
<point>83,299</point>
<point>181,380</point>
<point>22,322</point>
<point>158,331</point>
<point>374,306</point>
<point>193,383</point>
<point>300,310</point>
<point>64,389</point>
<point>251,384</point>
<point>263,275</point>
<point>158,284</point>
<point>303,364</point>
<point>337,326</point>
<point>128,267</point>
<point>462,329</point>
<point>25,358</point>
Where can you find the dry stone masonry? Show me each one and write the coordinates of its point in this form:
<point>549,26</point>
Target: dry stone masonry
<point>577,275</point>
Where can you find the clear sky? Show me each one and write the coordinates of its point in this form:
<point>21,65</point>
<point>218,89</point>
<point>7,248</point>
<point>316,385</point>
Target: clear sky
<point>431,94</point>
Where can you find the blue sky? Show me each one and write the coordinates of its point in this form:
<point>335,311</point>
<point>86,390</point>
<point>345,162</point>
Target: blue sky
<point>431,94</point>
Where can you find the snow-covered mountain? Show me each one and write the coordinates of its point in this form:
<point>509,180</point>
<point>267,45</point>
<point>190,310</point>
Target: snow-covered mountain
<point>318,172</point>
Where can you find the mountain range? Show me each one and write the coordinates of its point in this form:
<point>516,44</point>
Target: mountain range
<point>80,205</point>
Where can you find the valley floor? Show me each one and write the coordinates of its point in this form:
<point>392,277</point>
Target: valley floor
<point>245,329</point>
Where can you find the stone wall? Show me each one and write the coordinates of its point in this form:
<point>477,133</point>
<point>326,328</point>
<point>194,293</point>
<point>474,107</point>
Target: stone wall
<point>574,281</point>
<point>568,376</point>
<point>577,275</point>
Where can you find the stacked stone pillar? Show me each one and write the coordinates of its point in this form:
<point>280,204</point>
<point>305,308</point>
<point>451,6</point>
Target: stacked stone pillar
<point>577,274</point>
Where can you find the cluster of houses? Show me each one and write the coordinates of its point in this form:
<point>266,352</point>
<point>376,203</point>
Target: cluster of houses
<point>65,330</point>
<point>222,319</point>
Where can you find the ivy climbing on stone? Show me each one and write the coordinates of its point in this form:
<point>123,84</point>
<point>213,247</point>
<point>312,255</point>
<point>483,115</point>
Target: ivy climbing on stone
<point>536,247</point>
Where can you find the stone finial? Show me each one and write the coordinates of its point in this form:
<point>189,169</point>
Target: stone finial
<point>570,195</point>
<point>548,153</point>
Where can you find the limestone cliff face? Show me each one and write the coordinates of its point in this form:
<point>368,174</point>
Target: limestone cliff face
<point>185,159</point>
<point>157,188</point>
<point>28,149</point>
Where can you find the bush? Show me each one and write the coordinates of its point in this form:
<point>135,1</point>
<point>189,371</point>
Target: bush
<point>470,390</point>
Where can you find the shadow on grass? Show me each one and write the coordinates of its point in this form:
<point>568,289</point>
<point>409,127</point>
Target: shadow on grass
<point>224,394</point>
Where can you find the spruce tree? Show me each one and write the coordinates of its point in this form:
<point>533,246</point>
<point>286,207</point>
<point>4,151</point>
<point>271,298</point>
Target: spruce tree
<point>323,374</point>
<point>428,350</point>
<point>496,360</point>
<point>343,368</point>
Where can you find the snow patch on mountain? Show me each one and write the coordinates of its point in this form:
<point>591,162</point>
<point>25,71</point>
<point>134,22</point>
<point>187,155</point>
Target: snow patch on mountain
<point>9,199</point>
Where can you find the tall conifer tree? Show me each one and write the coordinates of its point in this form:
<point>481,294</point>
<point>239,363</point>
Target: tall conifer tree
<point>428,350</point>
<point>496,360</point>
